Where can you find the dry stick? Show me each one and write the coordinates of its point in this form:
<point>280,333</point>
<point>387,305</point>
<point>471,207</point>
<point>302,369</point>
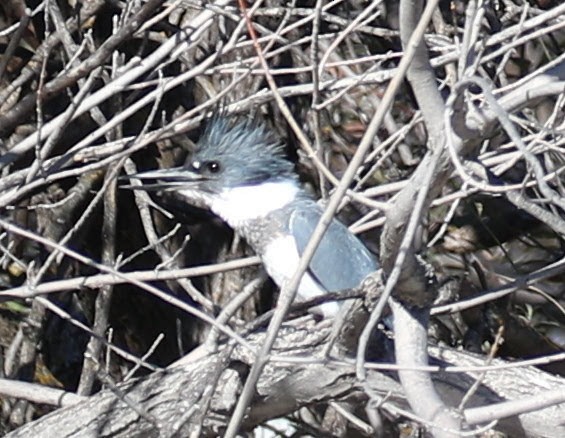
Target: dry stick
<point>506,49</point>
<point>314,49</point>
<point>538,22</point>
<point>551,270</point>
<point>69,46</point>
<point>353,419</point>
<point>146,356</point>
<point>32,326</point>
<point>36,393</point>
<point>536,362</point>
<point>144,101</point>
<point>229,68</point>
<point>104,298</point>
<point>515,41</point>
<point>347,363</point>
<point>289,290</point>
<point>32,329</point>
<point>508,159</point>
<point>515,407</point>
<point>498,340</point>
<point>101,280</point>
<point>149,246</point>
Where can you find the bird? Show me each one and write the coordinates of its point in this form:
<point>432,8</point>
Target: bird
<point>239,171</point>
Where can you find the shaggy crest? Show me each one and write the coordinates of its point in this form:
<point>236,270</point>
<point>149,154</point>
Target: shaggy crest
<point>251,150</point>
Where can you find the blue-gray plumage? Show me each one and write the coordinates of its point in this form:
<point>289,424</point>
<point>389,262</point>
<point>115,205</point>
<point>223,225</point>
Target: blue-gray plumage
<point>239,171</point>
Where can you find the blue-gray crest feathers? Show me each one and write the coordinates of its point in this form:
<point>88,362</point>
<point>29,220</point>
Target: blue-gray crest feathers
<point>248,151</point>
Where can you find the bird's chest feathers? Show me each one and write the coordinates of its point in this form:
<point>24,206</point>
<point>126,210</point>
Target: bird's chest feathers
<point>239,205</point>
<point>281,258</point>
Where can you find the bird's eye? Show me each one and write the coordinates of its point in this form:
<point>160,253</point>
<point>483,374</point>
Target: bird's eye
<point>213,166</point>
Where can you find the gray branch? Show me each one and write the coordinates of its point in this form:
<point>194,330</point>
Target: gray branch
<point>170,402</point>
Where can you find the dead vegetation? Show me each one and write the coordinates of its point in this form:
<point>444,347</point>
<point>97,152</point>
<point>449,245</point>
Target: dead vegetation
<point>437,133</point>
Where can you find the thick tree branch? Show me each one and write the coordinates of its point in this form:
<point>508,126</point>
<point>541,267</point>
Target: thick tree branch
<point>172,398</point>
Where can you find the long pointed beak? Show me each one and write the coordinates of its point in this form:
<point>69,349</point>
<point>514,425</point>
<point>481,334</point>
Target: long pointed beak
<point>164,179</point>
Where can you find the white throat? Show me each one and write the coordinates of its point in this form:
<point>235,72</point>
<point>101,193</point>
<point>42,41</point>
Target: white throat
<point>240,204</point>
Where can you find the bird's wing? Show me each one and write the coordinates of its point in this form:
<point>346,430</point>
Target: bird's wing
<point>341,261</point>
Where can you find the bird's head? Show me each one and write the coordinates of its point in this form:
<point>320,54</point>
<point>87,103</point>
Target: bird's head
<point>237,163</point>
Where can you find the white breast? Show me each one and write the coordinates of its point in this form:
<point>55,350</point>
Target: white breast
<point>239,204</point>
<point>281,261</point>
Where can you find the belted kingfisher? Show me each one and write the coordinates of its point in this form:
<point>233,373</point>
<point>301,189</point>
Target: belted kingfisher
<point>240,173</point>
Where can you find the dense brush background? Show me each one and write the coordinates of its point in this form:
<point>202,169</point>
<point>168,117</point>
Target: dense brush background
<point>93,90</point>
